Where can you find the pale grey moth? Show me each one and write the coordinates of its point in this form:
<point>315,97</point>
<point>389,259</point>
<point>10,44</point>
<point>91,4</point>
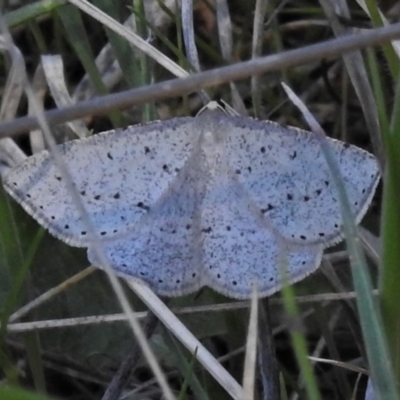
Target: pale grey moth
<point>216,200</point>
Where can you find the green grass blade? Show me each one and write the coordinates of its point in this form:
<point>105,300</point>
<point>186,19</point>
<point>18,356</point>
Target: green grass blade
<point>378,93</point>
<point>387,48</point>
<point>73,25</point>
<point>11,393</point>
<point>186,369</point>
<point>14,260</point>
<point>122,50</point>
<point>10,261</point>
<point>31,11</point>
<point>299,343</point>
<point>370,316</point>
<point>34,354</point>
<point>18,282</point>
<point>390,275</point>
<point>390,231</point>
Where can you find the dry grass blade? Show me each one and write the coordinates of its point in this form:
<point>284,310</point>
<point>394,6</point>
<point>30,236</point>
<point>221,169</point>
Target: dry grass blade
<point>108,67</point>
<point>71,322</point>
<point>372,244</point>
<point>340,364</point>
<point>358,74</point>
<point>53,69</point>
<point>226,43</point>
<point>224,29</point>
<point>256,48</point>
<point>176,327</point>
<point>39,87</point>
<point>249,372</point>
<point>100,319</point>
<point>370,315</point>
<point>11,155</point>
<point>188,34</point>
<point>134,324</point>
<point>190,44</point>
<point>216,32</point>
<point>14,85</point>
<point>268,370</point>
<point>43,298</point>
<point>175,87</point>
<point>395,43</point>
<point>134,39</point>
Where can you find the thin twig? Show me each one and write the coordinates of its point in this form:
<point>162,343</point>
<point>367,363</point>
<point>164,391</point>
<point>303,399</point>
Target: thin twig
<point>190,44</point>
<point>268,366</point>
<point>175,87</point>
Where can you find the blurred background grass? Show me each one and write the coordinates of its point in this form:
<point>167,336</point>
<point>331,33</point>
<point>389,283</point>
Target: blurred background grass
<point>79,361</point>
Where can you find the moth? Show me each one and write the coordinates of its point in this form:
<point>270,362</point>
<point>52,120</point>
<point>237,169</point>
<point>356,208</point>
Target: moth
<point>216,200</point>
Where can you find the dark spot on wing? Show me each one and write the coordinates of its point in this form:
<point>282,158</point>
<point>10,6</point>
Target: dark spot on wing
<point>269,208</point>
<point>142,206</point>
